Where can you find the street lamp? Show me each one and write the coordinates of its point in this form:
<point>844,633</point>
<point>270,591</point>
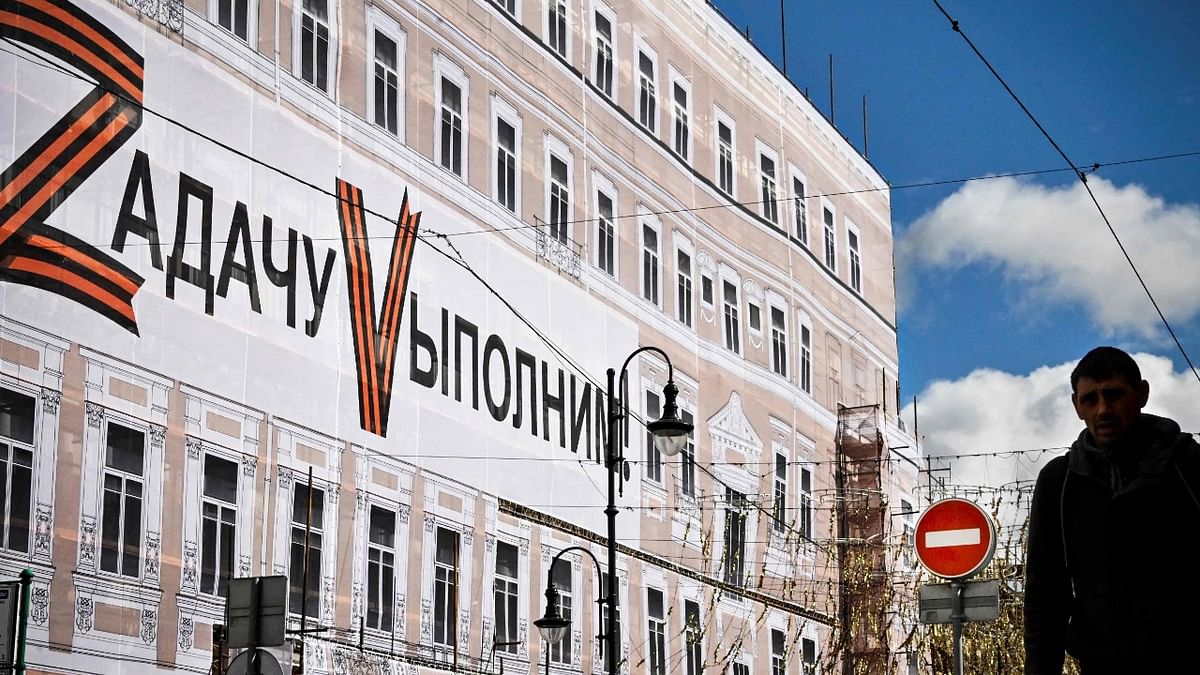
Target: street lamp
<point>670,436</point>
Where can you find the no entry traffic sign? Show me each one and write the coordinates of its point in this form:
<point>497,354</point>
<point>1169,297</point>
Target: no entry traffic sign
<point>955,538</point>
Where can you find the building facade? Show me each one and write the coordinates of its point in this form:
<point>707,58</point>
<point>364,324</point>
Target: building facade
<point>328,289</point>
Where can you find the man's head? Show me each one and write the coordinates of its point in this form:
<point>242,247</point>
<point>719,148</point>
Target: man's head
<point>1108,393</point>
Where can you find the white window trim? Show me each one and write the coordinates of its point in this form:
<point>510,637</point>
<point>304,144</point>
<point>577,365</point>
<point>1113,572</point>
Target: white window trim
<point>331,68</point>
<point>499,4</point>
<point>794,175</point>
<point>725,274</point>
<point>520,540</point>
<point>397,500</point>
<point>761,150</point>
<point>378,20</point>
<point>603,9</point>
<point>502,109</point>
<point>601,184</point>
<point>443,67</point>
<point>754,296</point>
<point>684,245</point>
<point>826,204</point>
<point>677,79</point>
<point>461,523</point>
<point>645,217</point>
<point>803,320</point>
<point>214,17</point>
<point>777,301</point>
<point>556,148</point>
<point>721,117</point>
<point>640,46</point>
<point>851,251</point>
<point>569,29</point>
<point>658,585</point>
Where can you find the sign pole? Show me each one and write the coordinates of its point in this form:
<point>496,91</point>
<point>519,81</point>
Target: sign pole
<point>957,586</point>
<point>23,621</point>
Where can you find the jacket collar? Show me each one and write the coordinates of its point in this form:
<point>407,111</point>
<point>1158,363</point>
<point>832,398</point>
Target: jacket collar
<point>1153,442</point>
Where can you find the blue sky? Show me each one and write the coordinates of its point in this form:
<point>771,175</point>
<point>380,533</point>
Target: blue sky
<point>1110,81</point>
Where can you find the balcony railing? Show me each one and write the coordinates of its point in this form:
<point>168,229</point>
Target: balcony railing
<point>167,12</point>
<point>564,255</point>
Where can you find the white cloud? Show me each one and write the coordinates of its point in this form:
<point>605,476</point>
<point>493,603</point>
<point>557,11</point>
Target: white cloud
<point>1053,242</point>
<point>989,411</point>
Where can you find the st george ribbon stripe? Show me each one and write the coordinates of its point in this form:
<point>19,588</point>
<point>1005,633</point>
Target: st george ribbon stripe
<point>32,252</point>
<point>375,334</point>
<point>945,538</point>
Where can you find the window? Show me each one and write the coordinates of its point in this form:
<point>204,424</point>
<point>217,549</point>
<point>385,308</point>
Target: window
<point>906,542</point>
<point>451,128</point>
<point>779,506</point>
<point>681,119</point>
<point>314,43</point>
<point>605,234</point>
<point>16,469</point>
<point>733,331</point>
<point>234,16</point>
<point>725,157</point>
<point>683,288</point>
<point>605,582</point>
<point>855,260</point>
<point>121,521</point>
<point>650,263</point>
<point>693,635</point>
<point>505,591</point>
<point>653,456</point>
<point>603,65</point>
<point>706,289</point>
<point>735,538</point>
<point>753,316</point>
<point>647,98</point>
<point>657,620</point>
<point>381,568</point>
<point>808,649</point>
<point>509,6</point>
<point>218,525</point>
<point>778,652</point>
<point>830,242</point>
<point>766,179</point>
<point>300,513</point>
<point>506,164</point>
<point>558,198</point>
<point>385,90</point>
<point>687,460</point>
<point>556,26</point>
<point>800,205</point>
<point>806,503</point>
<point>779,362</point>
<point>445,587</point>
<point>806,359</point>
<point>740,669</point>
<point>560,652</point>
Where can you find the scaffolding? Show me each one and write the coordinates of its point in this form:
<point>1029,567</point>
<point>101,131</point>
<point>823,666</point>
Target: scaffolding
<point>864,584</point>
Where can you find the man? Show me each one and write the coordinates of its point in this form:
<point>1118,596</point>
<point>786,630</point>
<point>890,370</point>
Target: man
<point>1112,571</point>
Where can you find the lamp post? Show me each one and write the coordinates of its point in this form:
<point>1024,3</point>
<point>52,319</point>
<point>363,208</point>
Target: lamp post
<point>670,436</point>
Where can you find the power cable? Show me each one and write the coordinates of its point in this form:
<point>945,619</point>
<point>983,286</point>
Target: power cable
<point>1082,178</point>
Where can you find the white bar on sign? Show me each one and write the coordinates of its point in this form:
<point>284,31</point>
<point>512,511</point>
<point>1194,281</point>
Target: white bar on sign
<point>946,538</point>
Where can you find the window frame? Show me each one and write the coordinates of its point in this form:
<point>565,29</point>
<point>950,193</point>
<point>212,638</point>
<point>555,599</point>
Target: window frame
<point>512,595</point>
<point>444,69</point>
<point>731,329</point>
<point>829,232</point>
<point>804,366</point>
<point>555,149</point>
<point>656,634</point>
<point>804,492</point>
<point>778,337</point>
<point>647,110</point>
<point>144,484</point>
<point>800,216</point>
<point>733,572</point>
<point>214,17</point>
<point>380,21</point>
<point>647,221</point>
<point>693,636</point>
<point>769,209</point>
<point>562,653</point>
<point>503,111</point>
<point>720,117</point>
<point>564,50</point>
<point>685,289</point>
<point>601,185</point>
<point>854,256</point>
<point>682,151</point>
<point>332,50</point>
<point>653,458</point>
<point>451,582</point>
<point>8,481</point>
<point>779,494</point>
<point>609,91</point>
<point>778,656</point>
<point>221,506</point>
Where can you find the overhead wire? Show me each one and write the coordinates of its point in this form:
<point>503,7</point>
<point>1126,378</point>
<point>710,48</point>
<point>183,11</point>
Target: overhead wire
<point>954,24</point>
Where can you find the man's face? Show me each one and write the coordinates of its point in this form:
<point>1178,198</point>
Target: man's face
<point>1109,407</point>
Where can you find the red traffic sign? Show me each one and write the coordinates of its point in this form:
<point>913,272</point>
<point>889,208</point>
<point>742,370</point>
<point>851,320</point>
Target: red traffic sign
<point>955,538</point>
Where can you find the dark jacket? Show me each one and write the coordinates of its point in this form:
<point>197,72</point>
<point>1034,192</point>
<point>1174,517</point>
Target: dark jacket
<point>1113,555</point>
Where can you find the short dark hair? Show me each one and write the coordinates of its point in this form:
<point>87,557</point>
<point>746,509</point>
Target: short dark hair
<point>1104,362</point>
